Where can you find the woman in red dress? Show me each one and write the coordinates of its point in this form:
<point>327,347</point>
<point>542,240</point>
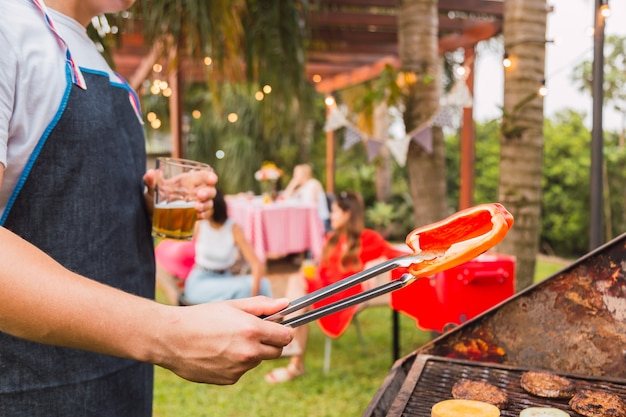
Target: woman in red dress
<point>347,248</point>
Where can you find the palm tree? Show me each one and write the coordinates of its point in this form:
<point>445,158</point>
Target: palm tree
<point>253,44</point>
<point>418,48</point>
<point>521,139</point>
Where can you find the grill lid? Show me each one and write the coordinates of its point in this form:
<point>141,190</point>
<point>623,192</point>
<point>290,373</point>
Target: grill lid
<point>574,321</point>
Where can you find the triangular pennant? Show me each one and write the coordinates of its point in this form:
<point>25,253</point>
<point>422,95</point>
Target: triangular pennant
<point>373,148</point>
<point>459,95</point>
<point>443,118</point>
<point>424,138</point>
<point>352,137</point>
<point>399,148</point>
<point>335,120</point>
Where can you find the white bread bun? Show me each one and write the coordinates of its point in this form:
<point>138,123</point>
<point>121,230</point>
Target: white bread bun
<point>543,412</point>
<point>464,408</point>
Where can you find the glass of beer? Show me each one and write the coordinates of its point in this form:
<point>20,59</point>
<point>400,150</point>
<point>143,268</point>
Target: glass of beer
<point>177,181</point>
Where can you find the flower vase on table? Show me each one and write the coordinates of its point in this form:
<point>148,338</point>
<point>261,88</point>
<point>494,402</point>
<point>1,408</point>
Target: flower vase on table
<point>267,177</point>
<point>268,190</point>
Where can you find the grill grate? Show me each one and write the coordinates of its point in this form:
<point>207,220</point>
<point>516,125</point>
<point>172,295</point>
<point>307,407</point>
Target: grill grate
<point>431,378</point>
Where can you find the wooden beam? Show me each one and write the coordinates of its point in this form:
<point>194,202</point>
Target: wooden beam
<point>145,66</point>
<point>369,72</point>
<point>469,37</point>
<point>470,6</point>
<point>354,19</point>
<point>356,76</point>
<point>468,140</point>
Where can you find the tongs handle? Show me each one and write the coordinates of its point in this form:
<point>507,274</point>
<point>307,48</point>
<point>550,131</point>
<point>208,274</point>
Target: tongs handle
<point>343,284</point>
<point>318,313</point>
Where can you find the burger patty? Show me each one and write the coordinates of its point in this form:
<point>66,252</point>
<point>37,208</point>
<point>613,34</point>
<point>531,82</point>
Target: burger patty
<point>466,389</point>
<point>597,404</point>
<point>547,385</point>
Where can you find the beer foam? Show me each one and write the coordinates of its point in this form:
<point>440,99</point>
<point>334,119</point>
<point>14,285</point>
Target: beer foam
<point>175,204</point>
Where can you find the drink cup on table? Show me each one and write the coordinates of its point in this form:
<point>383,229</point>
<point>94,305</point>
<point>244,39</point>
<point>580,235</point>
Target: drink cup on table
<point>177,181</point>
<point>308,268</point>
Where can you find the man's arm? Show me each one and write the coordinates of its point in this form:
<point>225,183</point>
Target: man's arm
<point>212,343</point>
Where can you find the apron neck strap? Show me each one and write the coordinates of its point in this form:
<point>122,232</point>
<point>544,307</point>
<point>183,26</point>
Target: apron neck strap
<point>77,76</point>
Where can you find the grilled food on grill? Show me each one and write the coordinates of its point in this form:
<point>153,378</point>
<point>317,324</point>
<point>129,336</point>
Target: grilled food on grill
<point>466,389</point>
<point>542,412</point>
<point>464,408</point>
<point>597,404</point>
<point>548,385</point>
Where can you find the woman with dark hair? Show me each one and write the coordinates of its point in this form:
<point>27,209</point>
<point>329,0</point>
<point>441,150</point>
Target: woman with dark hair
<point>347,248</point>
<point>219,242</point>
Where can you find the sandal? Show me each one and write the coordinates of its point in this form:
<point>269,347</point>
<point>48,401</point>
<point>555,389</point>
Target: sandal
<point>283,374</point>
<point>292,349</point>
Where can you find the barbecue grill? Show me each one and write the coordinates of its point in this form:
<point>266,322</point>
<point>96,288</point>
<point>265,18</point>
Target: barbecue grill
<point>572,323</point>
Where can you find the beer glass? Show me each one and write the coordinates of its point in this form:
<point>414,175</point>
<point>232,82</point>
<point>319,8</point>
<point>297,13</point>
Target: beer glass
<point>177,181</point>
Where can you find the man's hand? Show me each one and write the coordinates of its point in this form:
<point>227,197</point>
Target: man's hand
<point>218,342</point>
<point>205,191</point>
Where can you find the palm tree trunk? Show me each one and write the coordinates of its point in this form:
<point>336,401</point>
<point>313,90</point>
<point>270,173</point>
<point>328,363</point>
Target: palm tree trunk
<point>382,180</point>
<point>521,154</point>
<point>418,48</point>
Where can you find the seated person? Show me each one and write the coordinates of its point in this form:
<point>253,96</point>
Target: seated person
<point>347,248</point>
<point>218,243</point>
<point>309,190</point>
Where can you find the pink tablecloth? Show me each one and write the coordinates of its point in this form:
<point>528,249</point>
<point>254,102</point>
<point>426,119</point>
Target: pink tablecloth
<point>278,228</point>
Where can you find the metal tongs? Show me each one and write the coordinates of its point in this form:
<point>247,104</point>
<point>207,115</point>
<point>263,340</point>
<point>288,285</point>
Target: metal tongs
<point>322,293</point>
<point>439,246</point>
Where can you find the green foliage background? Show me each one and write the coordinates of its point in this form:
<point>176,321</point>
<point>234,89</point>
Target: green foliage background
<point>565,184</point>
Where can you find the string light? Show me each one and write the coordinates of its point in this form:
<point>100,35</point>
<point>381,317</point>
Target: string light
<point>329,101</point>
<point>605,10</point>
<point>543,90</point>
<point>506,60</point>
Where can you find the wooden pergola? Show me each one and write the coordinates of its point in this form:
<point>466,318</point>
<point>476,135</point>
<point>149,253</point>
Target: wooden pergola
<point>351,41</point>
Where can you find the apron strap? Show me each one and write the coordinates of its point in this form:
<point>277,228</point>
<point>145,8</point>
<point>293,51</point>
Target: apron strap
<point>77,76</point>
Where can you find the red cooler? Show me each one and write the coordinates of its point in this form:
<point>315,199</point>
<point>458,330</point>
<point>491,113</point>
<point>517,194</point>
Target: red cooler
<point>458,294</point>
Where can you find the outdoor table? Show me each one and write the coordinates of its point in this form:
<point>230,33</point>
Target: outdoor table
<point>277,228</point>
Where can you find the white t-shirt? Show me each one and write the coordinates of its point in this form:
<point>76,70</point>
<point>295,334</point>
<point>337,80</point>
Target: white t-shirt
<point>313,192</point>
<point>33,79</point>
<point>216,248</point>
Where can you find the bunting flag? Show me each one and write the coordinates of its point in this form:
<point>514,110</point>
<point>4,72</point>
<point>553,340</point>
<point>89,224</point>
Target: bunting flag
<point>424,138</point>
<point>352,137</point>
<point>398,149</point>
<point>373,148</point>
<point>335,120</point>
<point>443,118</point>
<point>459,95</point>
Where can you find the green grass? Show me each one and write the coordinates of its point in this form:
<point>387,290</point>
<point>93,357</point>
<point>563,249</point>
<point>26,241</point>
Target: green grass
<point>346,390</point>
<point>355,375</point>
<point>546,267</point>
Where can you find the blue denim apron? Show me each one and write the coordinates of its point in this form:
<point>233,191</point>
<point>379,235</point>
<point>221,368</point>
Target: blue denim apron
<point>80,199</point>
